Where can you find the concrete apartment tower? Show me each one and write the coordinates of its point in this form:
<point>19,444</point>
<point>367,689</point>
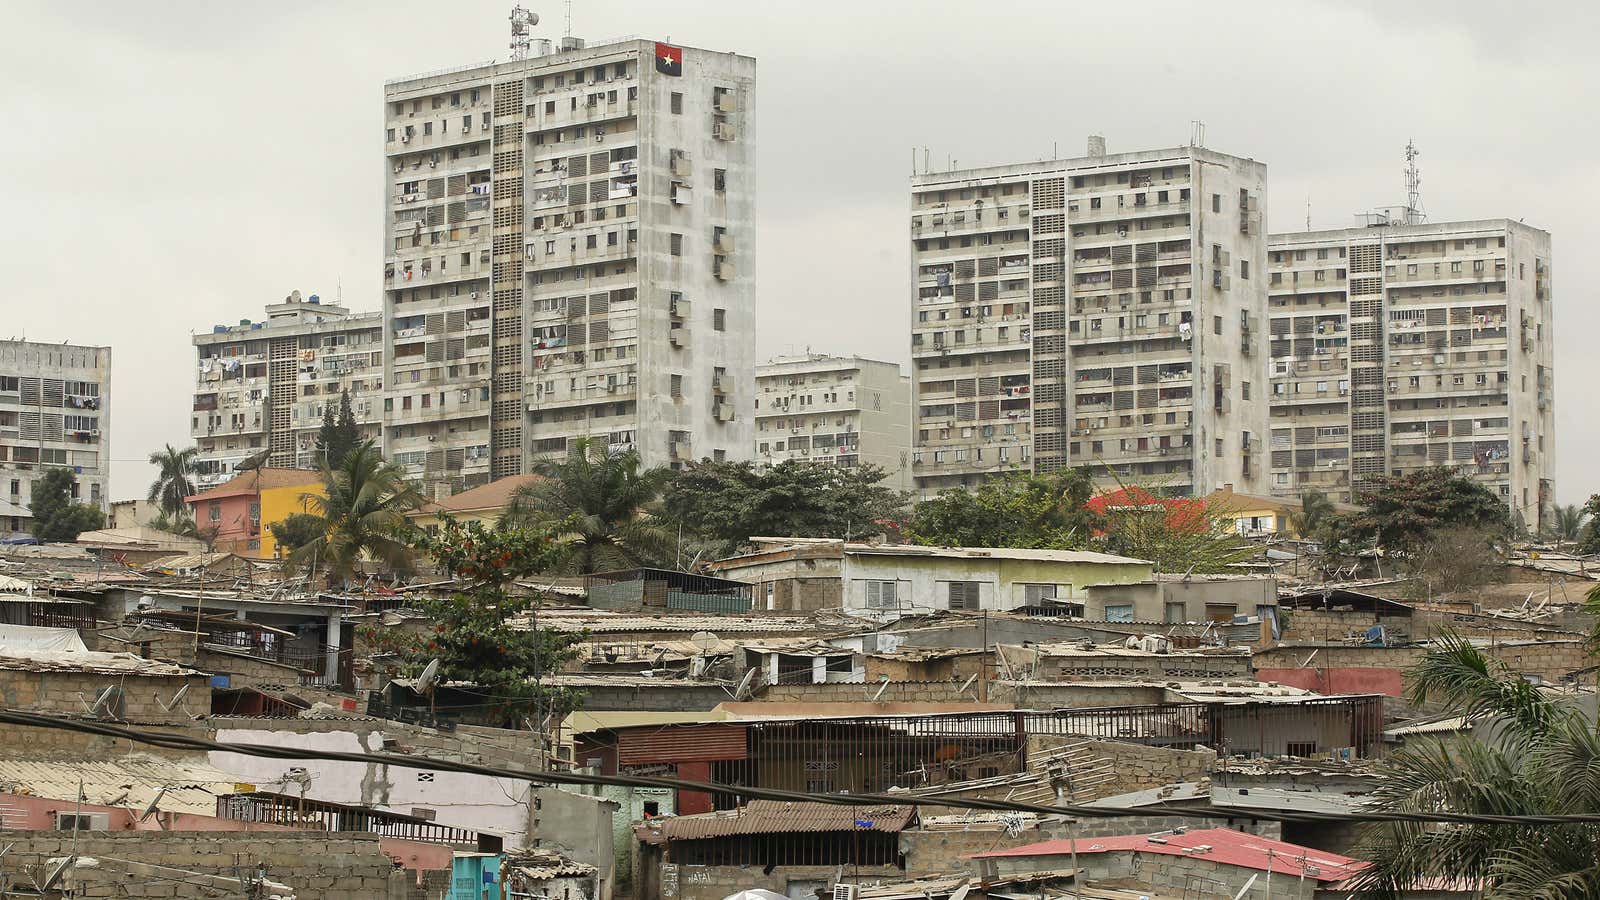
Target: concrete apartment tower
<point>264,385</point>
<point>569,250</point>
<point>1106,311</point>
<point>55,412</point>
<point>1401,344</point>
<point>844,410</point>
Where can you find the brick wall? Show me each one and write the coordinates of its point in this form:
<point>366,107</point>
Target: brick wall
<point>1549,660</point>
<point>316,865</point>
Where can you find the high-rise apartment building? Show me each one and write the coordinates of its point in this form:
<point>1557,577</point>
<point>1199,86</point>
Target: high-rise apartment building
<point>1396,346</point>
<point>263,386</point>
<point>1105,311</point>
<point>844,410</point>
<point>55,412</point>
<point>569,253</point>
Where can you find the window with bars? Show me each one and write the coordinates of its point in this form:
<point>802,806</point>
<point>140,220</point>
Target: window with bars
<point>962,594</point>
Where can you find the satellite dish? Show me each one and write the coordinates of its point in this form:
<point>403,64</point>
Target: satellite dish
<point>105,703</point>
<point>176,699</point>
<point>705,640</point>
<point>56,873</point>
<point>150,808</point>
<point>429,675</point>
<point>743,690</point>
<point>391,618</point>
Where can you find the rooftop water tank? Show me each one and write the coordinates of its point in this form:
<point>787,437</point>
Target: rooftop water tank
<point>219,329</point>
<point>314,299</point>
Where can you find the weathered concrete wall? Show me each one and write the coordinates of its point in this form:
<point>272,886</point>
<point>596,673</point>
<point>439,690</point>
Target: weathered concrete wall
<point>314,864</point>
<point>942,851</point>
<point>1549,660</point>
<point>665,698</point>
<point>578,825</point>
<point>716,882</point>
<point>1134,767</point>
<point>497,805</point>
<point>1179,876</point>
<point>1351,680</point>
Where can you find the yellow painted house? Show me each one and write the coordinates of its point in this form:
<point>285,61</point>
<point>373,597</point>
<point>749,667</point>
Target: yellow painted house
<point>1253,515</point>
<point>279,502</point>
<point>485,503</point>
<point>242,510</point>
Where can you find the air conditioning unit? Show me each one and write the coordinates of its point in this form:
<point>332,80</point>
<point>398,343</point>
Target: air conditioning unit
<point>724,131</point>
<point>679,337</point>
<point>843,891</point>
<point>405,138</point>
<point>473,295</point>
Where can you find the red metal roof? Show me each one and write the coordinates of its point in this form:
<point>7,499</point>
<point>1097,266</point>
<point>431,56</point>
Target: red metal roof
<point>1221,845</point>
<point>778,817</point>
<point>668,743</point>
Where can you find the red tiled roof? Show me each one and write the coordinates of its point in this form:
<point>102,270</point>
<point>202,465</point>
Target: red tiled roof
<point>257,480</point>
<point>1218,845</point>
<point>779,817</point>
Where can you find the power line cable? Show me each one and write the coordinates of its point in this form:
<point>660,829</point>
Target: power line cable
<point>182,742</point>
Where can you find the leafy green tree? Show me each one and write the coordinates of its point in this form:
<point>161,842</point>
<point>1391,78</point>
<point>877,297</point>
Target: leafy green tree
<point>733,501</point>
<point>1527,755</point>
<point>362,514</point>
<point>481,636</point>
<point>1403,509</point>
<point>296,531</point>
<point>602,502</point>
<point>1574,524</point>
<point>174,478</point>
<point>339,435</point>
<point>1030,511</point>
<point>56,517</point>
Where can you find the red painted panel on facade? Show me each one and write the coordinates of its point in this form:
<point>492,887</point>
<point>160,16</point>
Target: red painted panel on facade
<point>1343,680</point>
<point>690,802</point>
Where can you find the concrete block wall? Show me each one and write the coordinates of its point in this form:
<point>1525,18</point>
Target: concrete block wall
<point>1550,660</point>
<point>74,692</point>
<point>1134,767</point>
<point>315,864</point>
<point>942,851</point>
<point>716,882</point>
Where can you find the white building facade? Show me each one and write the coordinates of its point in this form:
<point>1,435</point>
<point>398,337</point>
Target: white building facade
<point>569,253</point>
<point>844,410</point>
<point>1398,346</point>
<point>55,412</point>
<point>263,386</point>
<point>1106,311</point>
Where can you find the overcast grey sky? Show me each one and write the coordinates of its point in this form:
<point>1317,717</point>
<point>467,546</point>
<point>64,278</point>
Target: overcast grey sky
<point>172,165</point>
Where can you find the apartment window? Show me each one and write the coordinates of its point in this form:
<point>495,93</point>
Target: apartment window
<point>880,595</point>
<point>677,245</point>
<point>719,320</point>
<point>677,103</point>
<point>719,180</point>
<point>677,386</point>
<point>1216,324</point>
<point>1246,390</point>
<point>1121,612</point>
<point>962,594</point>
<point>1216,203</point>
<point>1244,269</point>
<point>215,512</point>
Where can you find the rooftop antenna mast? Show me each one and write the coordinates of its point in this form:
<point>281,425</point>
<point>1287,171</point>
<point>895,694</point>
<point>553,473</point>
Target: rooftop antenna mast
<point>522,22</point>
<point>1197,133</point>
<point>569,19</point>
<point>1414,213</point>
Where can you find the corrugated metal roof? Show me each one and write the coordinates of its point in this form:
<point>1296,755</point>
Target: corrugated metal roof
<point>670,743</point>
<point>777,817</point>
<point>127,782</point>
<point>1217,845</point>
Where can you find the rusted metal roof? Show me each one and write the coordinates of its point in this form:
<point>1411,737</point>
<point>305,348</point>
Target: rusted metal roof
<point>778,817</point>
<point>22,659</point>
<point>697,743</point>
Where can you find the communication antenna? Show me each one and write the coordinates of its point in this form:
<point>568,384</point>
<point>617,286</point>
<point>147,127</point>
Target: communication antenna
<point>522,22</point>
<point>1197,133</point>
<point>569,19</point>
<point>1414,213</point>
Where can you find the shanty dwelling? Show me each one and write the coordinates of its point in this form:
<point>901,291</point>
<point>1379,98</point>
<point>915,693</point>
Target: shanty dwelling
<point>882,581</point>
<point>802,661</point>
<point>913,749</point>
<point>796,849</point>
<point>654,589</point>
<point>1210,862</point>
<point>1172,599</point>
<point>309,633</point>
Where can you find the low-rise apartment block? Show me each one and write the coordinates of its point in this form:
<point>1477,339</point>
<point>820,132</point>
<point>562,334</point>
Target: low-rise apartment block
<point>54,413</point>
<point>834,409</point>
<point>1397,346</point>
<point>569,250</point>
<point>1105,311</point>
<point>263,386</point>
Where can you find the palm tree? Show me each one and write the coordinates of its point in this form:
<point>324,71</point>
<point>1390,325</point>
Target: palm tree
<point>1315,508</point>
<point>1566,525</point>
<point>1528,755</point>
<point>363,513</point>
<point>597,501</point>
<point>174,478</point>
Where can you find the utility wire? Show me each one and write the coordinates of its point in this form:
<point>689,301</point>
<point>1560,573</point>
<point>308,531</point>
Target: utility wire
<point>182,742</point>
